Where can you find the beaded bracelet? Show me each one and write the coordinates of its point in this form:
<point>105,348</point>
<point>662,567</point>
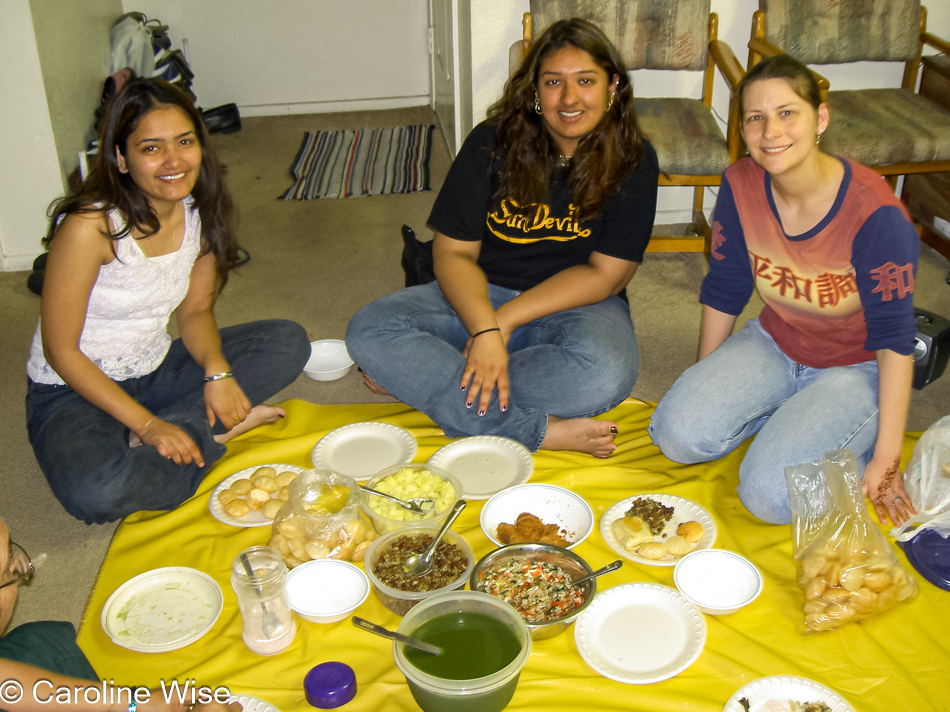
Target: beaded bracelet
<point>219,377</point>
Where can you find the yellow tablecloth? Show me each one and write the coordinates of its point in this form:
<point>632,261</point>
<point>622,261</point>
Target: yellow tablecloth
<point>899,660</point>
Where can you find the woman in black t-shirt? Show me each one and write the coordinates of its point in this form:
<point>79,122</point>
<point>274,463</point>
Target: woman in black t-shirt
<point>539,226</point>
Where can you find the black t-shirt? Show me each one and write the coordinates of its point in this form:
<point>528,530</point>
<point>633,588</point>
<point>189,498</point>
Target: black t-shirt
<point>520,252</point>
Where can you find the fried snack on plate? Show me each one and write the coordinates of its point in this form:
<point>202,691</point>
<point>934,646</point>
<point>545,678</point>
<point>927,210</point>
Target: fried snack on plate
<point>652,550</point>
<point>631,532</point>
<point>691,531</point>
<point>677,546</point>
<point>237,508</point>
<point>241,487</point>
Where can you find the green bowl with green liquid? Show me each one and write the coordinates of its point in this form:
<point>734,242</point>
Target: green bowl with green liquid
<point>485,645</point>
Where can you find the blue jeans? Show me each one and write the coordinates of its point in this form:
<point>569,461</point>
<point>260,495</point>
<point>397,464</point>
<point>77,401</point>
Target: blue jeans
<point>576,363</point>
<point>84,452</point>
<point>748,386</point>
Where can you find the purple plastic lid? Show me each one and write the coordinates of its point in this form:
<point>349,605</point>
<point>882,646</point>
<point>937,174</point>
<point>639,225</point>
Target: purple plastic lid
<point>929,553</point>
<point>330,685</point>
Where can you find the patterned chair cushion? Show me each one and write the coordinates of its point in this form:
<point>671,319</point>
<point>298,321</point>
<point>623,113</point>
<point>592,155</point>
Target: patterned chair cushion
<point>650,34</point>
<point>687,139</point>
<point>824,32</point>
<point>882,126</point>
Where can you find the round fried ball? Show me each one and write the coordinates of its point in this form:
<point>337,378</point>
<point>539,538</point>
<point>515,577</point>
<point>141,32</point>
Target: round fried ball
<point>652,550</point>
<point>225,496</point>
<point>257,498</point>
<point>677,546</point>
<point>237,508</point>
<point>285,478</point>
<point>268,483</point>
<point>241,487</point>
<point>691,531</point>
<point>271,507</point>
<point>262,472</point>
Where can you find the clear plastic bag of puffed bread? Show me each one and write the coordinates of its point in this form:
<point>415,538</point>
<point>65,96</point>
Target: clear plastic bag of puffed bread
<point>846,567</point>
<point>321,520</point>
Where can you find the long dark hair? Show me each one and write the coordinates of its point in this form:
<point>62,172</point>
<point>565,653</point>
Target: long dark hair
<point>107,188</point>
<point>525,155</point>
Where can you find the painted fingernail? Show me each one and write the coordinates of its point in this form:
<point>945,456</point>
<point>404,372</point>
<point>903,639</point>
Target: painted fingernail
<point>481,412</point>
<point>504,408</point>
<point>462,387</point>
<point>469,404</point>
<point>614,430</point>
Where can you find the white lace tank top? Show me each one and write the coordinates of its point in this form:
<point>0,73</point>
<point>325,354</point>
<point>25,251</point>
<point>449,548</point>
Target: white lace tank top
<point>126,330</point>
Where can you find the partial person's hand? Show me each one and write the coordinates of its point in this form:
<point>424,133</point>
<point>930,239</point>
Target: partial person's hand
<point>226,400</point>
<point>884,486</point>
<point>218,707</point>
<point>486,369</point>
<point>171,442</point>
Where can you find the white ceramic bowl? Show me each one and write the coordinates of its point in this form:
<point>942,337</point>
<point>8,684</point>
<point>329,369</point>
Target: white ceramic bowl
<point>717,581</point>
<point>329,360</point>
<point>326,590</point>
<point>550,503</point>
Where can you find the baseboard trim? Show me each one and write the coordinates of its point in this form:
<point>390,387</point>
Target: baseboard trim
<point>326,107</point>
<point>17,263</point>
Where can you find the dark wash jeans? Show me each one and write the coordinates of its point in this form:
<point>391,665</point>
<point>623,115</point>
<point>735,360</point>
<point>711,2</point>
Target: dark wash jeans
<point>84,452</point>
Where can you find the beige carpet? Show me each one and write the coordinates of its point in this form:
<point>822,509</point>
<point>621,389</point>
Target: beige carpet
<point>317,262</point>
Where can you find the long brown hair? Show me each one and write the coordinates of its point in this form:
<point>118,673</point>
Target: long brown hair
<point>782,66</point>
<point>526,157</point>
<point>107,188</point>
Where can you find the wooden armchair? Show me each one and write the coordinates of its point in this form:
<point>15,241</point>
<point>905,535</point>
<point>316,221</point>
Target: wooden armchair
<point>671,35</point>
<point>895,131</point>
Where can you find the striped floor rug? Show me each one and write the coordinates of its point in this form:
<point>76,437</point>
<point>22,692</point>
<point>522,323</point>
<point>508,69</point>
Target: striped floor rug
<point>351,164</point>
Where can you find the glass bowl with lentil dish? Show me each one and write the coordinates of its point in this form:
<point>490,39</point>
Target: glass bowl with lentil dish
<point>536,580</point>
<point>397,589</point>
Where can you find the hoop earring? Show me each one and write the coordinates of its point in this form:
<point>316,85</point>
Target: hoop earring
<point>537,104</point>
<point>610,101</point>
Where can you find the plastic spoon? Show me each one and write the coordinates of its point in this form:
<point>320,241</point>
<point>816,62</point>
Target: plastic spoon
<point>421,564</point>
<point>404,639</point>
<point>599,572</point>
<point>416,504</point>
<point>271,625</point>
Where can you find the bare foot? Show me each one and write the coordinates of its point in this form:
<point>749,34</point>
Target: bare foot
<point>595,437</point>
<point>259,415</point>
<point>372,386</point>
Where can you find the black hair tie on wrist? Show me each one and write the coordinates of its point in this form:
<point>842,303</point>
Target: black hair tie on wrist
<point>485,331</point>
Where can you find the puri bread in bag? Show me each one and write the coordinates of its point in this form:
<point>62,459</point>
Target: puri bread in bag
<point>846,567</point>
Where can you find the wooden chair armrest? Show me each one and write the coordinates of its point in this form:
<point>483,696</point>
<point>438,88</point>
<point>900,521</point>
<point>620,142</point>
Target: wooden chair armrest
<point>725,59</point>
<point>938,43</point>
<point>767,49</point>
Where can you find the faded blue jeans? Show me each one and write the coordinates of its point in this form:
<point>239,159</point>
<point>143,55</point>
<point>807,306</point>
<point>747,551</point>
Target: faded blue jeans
<point>748,386</point>
<point>572,364</point>
<point>84,452</point>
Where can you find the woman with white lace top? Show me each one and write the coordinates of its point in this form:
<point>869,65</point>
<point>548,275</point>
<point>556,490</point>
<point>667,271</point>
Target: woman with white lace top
<point>121,417</point>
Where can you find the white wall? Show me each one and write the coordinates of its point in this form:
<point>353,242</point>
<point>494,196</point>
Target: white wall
<point>31,177</point>
<point>496,24</point>
<point>301,56</point>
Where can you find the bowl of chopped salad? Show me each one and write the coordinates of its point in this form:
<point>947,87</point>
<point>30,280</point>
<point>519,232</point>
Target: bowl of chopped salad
<point>535,579</point>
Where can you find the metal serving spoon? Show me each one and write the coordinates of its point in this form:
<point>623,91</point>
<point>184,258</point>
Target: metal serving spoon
<point>421,564</point>
<point>599,572</point>
<point>363,624</point>
<point>271,625</point>
<point>416,504</point>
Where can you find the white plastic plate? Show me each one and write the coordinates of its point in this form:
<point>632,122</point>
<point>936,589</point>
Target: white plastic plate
<point>253,704</point>
<point>361,450</point>
<point>549,503</point>
<point>485,464</point>
<point>254,518</point>
<point>684,510</point>
<point>640,633</point>
<point>784,688</point>
<point>162,610</point>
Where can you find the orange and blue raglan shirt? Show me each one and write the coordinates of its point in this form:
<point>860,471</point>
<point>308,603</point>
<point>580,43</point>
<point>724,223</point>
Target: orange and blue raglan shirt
<point>833,295</point>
